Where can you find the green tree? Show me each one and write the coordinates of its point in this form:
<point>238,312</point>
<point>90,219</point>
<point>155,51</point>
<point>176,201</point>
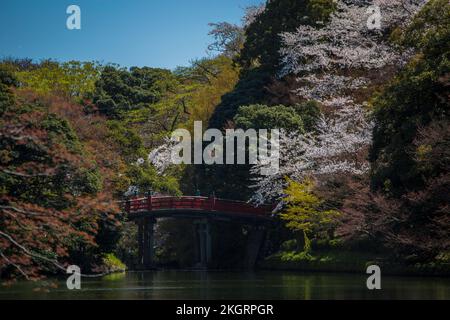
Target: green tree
<point>119,91</point>
<point>305,214</point>
<point>264,117</point>
<point>133,101</point>
<point>72,79</point>
<point>299,117</point>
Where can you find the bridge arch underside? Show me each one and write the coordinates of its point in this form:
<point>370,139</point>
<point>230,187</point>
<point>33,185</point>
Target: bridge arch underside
<point>254,225</point>
<point>201,214</point>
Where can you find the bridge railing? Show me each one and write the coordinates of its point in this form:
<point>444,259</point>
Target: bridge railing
<point>149,204</point>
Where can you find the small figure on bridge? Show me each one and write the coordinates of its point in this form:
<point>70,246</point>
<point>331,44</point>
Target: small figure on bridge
<point>149,193</point>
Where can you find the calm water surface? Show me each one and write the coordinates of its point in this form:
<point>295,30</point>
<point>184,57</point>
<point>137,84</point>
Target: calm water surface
<point>234,285</point>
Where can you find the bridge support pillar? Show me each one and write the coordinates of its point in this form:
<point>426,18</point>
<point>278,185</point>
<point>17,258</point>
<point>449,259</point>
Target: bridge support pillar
<point>255,239</point>
<point>203,243</point>
<point>146,242</point>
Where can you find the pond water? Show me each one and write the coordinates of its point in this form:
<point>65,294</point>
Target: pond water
<point>265,285</point>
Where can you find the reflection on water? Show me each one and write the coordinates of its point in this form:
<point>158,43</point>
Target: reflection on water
<point>234,285</point>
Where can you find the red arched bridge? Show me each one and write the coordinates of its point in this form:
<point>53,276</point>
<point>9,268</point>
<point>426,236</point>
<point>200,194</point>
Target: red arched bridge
<point>195,207</point>
<point>145,212</point>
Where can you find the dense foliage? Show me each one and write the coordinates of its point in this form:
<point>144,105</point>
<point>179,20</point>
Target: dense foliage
<point>410,157</point>
<point>52,184</point>
<point>414,101</point>
<point>364,151</point>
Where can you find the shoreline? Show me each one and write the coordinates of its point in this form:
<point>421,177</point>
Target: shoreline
<point>357,266</point>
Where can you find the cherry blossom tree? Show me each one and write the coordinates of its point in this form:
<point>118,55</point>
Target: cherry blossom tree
<point>339,144</point>
<point>161,157</point>
<point>347,41</point>
<point>321,55</point>
<point>333,62</point>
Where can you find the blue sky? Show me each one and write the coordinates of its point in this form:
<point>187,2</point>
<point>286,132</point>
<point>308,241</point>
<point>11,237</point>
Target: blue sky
<point>157,33</point>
